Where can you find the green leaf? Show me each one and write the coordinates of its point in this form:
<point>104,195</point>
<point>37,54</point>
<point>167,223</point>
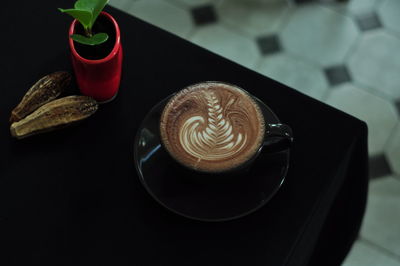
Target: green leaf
<point>94,6</point>
<point>83,16</point>
<point>96,39</point>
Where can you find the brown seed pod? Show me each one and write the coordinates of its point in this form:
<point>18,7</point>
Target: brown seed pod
<point>43,91</point>
<point>55,114</point>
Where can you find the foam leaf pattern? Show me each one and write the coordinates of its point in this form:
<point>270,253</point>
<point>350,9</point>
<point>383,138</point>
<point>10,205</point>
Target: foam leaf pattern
<point>216,141</point>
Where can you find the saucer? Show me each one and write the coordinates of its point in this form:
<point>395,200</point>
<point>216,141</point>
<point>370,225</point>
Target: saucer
<point>206,198</point>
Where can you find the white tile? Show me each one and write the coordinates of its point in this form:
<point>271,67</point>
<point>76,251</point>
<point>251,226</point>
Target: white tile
<point>122,4</point>
<point>376,62</point>
<point>164,15</point>
<point>295,73</point>
<point>196,3</point>
<point>254,17</point>
<point>380,115</point>
<point>362,254</point>
<point>389,13</point>
<point>360,6</point>
<point>227,43</point>
<point>320,34</point>
<point>353,7</point>
<point>381,223</point>
<point>393,150</point>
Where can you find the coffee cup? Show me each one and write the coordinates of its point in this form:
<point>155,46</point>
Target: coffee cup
<point>216,128</point>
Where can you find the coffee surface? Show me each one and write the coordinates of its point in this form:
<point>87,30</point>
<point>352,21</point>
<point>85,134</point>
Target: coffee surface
<point>212,127</point>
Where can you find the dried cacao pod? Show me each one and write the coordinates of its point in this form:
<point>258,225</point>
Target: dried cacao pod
<point>55,114</point>
<point>43,91</point>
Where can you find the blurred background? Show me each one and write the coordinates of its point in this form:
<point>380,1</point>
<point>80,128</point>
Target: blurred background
<point>344,53</point>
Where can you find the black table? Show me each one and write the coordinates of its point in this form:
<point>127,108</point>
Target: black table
<point>73,197</point>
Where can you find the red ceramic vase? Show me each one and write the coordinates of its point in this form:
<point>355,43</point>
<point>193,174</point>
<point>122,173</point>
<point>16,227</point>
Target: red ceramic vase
<point>100,78</point>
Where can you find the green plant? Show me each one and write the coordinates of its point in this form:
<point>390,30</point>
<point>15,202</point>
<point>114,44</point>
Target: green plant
<point>86,12</point>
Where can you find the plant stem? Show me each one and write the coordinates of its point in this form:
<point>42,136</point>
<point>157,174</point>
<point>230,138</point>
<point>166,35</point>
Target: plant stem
<point>88,32</point>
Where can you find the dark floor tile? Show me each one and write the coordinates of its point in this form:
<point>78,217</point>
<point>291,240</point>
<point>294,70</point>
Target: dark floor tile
<point>369,21</point>
<point>397,104</point>
<point>269,44</point>
<point>379,166</point>
<point>204,15</point>
<point>337,75</point>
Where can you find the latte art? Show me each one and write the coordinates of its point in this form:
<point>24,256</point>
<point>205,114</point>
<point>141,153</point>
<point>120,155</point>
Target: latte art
<point>217,140</point>
<point>212,127</point>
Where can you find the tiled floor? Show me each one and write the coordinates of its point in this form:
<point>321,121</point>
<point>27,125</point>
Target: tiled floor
<point>345,54</point>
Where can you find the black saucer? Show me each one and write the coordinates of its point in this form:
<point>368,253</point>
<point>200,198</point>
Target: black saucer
<point>204,197</point>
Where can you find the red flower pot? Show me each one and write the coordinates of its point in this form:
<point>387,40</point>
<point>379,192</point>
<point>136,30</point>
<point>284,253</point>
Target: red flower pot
<point>98,78</point>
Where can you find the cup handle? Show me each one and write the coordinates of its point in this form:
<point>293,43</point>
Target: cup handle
<point>278,137</point>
